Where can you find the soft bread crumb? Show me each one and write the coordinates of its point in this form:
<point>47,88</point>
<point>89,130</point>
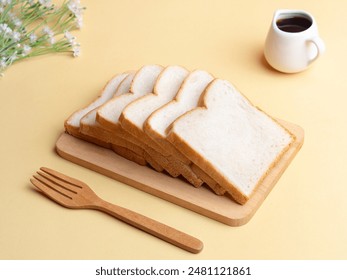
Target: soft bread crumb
<point>230,139</point>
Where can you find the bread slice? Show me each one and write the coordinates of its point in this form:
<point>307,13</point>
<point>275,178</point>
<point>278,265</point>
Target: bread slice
<point>89,125</point>
<point>186,99</point>
<point>234,142</point>
<point>129,154</point>
<point>78,122</point>
<point>108,114</point>
<point>91,128</point>
<point>72,124</point>
<point>136,113</point>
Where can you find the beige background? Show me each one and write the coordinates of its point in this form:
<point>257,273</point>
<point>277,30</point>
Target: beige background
<point>304,217</point>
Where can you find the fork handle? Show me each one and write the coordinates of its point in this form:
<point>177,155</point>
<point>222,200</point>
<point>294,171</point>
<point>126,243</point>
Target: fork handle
<point>162,231</point>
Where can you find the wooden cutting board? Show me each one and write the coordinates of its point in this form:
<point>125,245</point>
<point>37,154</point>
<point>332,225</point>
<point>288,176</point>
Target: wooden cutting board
<point>175,190</point>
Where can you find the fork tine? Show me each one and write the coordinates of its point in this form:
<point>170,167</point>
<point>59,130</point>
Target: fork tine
<point>63,177</point>
<point>52,193</point>
<point>55,187</point>
<point>49,180</point>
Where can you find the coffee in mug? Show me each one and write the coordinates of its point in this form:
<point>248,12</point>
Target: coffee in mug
<point>294,24</point>
<point>293,42</point>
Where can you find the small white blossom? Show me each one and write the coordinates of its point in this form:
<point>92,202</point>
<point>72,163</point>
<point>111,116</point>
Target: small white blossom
<point>46,30</point>
<point>79,22</point>
<point>3,63</point>
<point>75,7</point>
<point>20,42</point>
<point>17,22</point>
<point>76,51</point>
<point>5,30</point>
<point>5,2</point>
<point>3,27</point>
<point>70,38</point>
<point>16,36</point>
<point>26,50</point>
<point>77,10</point>
<point>51,40</point>
<point>46,3</point>
<point>32,38</point>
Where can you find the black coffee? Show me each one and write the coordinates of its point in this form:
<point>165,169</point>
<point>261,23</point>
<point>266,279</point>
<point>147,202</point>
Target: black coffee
<point>294,24</point>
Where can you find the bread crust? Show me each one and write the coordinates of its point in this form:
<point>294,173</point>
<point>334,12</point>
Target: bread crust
<point>172,152</point>
<point>129,154</point>
<point>72,123</point>
<point>189,90</point>
<point>172,164</point>
<point>209,167</point>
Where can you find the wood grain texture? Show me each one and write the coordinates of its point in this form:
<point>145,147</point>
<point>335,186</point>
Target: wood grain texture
<point>75,194</point>
<point>175,190</point>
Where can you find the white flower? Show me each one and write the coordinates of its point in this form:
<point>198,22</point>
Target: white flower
<point>16,36</point>
<point>51,40</point>
<point>26,50</point>
<point>70,38</point>
<point>5,29</point>
<point>44,25</point>
<point>5,2</point>
<point>3,63</point>
<point>50,33</point>
<point>17,22</point>
<point>79,22</point>
<point>46,3</point>
<point>75,7</point>
<point>77,10</point>
<point>32,38</point>
<point>76,51</point>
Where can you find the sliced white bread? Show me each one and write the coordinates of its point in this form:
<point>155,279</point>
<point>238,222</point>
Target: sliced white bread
<point>142,83</point>
<point>230,139</point>
<point>186,99</point>
<point>165,89</point>
<point>72,124</point>
<point>76,122</point>
<point>129,154</point>
<point>108,114</point>
<point>136,113</point>
<point>91,128</point>
<point>88,123</point>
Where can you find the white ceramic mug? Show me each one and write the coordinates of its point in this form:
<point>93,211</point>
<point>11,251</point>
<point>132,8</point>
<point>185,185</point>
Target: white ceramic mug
<point>293,42</point>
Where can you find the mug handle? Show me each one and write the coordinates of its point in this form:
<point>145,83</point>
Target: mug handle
<point>318,42</point>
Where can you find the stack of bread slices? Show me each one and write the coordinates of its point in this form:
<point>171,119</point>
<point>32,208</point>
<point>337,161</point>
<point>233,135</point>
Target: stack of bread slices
<point>186,124</point>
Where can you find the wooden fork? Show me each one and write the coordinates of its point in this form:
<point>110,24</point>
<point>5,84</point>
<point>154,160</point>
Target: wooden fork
<point>72,193</point>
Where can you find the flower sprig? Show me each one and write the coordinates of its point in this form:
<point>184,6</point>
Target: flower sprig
<point>31,28</point>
